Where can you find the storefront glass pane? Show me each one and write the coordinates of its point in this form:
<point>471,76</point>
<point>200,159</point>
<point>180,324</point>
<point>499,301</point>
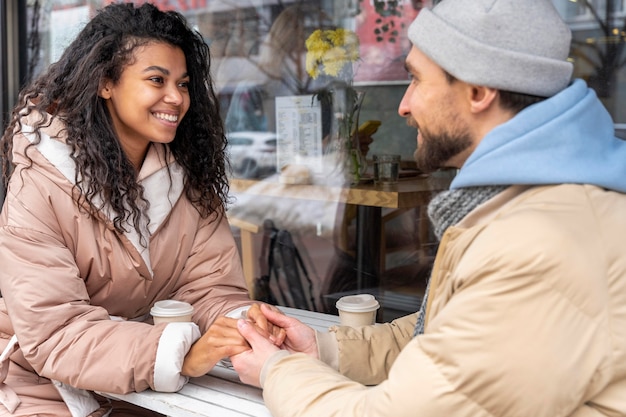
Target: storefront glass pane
<point>599,49</point>
<point>268,97</point>
<point>259,65</point>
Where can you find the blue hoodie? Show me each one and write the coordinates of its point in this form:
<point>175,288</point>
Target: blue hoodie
<point>568,138</point>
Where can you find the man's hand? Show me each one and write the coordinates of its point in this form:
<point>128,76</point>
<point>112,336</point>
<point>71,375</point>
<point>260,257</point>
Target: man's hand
<point>299,336</point>
<point>248,364</point>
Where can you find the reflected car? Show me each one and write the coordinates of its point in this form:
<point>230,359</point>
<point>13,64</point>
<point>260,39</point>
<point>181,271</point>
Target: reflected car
<point>252,154</point>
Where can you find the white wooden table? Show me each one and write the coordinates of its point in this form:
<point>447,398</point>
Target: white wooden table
<point>220,393</point>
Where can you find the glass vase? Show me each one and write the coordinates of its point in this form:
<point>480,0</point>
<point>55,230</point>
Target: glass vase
<point>349,162</point>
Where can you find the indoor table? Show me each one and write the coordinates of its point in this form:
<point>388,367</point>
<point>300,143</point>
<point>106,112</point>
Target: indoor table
<point>369,198</point>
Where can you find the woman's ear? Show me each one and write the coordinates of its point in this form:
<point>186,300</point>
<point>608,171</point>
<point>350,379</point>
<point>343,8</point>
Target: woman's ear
<point>482,98</point>
<point>105,89</point>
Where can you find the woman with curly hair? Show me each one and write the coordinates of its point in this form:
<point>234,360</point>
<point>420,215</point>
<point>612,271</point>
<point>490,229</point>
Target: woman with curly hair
<point>116,172</point>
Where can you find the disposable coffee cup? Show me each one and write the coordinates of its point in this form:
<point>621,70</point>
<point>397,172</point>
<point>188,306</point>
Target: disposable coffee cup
<point>167,311</point>
<point>357,310</point>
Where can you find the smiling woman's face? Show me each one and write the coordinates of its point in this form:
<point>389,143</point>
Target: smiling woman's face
<point>150,99</point>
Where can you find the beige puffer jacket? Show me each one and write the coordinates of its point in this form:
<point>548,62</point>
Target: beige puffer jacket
<point>527,317</point>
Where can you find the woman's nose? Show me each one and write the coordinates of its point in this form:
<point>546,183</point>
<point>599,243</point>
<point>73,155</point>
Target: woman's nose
<point>174,95</point>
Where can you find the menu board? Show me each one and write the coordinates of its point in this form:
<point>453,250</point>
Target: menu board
<point>299,131</point>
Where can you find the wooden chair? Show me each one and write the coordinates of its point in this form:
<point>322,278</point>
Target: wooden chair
<point>247,231</point>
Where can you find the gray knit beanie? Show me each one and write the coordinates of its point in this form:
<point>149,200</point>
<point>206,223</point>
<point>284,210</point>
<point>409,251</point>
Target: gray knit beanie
<point>511,45</point>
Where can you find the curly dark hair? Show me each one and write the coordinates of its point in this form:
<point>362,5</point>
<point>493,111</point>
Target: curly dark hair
<point>69,90</point>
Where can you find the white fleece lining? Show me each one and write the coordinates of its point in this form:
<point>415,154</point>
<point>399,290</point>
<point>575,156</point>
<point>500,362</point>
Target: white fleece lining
<point>155,187</point>
<point>175,342</point>
<point>8,397</point>
<point>238,313</point>
<point>58,153</point>
<point>79,401</point>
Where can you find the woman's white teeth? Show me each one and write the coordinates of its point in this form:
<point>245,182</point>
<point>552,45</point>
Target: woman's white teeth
<point>168,117</point>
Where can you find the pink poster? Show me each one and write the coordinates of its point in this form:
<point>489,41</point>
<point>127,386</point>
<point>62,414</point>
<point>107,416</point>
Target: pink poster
<point>382,26</point>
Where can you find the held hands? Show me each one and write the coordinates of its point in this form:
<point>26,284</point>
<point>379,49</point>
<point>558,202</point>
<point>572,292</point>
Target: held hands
<point>254,314</point>
<point>223,340</point>
<point>300,338</point>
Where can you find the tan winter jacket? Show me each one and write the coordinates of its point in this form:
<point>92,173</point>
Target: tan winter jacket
<point>77,293</point>
<point>527,317</point>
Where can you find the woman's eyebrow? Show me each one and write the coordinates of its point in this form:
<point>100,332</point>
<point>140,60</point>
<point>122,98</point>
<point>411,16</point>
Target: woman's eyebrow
<point>165,71</point>
<point>162,70</point>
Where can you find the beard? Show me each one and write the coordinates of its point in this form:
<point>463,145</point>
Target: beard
<point>437,149</point>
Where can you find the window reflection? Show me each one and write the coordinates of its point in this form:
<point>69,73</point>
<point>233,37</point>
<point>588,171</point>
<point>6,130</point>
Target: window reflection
<point>259,43</point>
<point>599,49</point>
<point>258,54</point>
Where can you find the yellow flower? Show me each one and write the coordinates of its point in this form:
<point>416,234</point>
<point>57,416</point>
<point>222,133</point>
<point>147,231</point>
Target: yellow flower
<point>332,52</point>
<point>329,51</point>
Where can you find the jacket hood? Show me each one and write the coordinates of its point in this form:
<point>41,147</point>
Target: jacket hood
<point>568,138</point>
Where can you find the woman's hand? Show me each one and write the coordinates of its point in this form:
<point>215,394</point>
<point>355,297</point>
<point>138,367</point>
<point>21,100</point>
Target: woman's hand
<point>220,341</point>
<point>256,316</point>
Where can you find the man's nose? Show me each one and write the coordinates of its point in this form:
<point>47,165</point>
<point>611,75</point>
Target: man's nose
<point>403,108</point>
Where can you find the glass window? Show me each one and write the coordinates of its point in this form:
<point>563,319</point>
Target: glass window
<point>261,65</point>
<point>598,49</point>
<point>573,9</point>
<point>273,98</point>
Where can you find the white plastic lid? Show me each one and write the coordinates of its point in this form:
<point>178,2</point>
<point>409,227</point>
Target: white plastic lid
<point>171,308</point>
<point>357,303</point>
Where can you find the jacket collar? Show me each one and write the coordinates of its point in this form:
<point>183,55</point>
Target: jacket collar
<point>161,177</point>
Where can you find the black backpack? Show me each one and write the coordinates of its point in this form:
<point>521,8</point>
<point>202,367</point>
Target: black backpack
<point>284,278</point>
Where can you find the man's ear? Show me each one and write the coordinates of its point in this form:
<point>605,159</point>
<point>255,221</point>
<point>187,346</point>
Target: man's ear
<point>105,89</point>
<point>482,98</point>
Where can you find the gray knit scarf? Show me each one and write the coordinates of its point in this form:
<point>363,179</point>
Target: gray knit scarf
<point>446,209</point>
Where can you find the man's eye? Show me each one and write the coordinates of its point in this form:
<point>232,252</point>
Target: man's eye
<point>413,79</point>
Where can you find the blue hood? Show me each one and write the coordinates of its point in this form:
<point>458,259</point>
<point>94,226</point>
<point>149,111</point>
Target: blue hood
<point>568,138</point>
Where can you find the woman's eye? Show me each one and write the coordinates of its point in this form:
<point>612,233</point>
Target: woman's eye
<point>158,80</point>
<point>184,84</point>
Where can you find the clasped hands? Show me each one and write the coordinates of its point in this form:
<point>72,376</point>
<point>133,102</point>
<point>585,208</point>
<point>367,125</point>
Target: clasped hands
<point>249,342</point>
<point>298,337</point>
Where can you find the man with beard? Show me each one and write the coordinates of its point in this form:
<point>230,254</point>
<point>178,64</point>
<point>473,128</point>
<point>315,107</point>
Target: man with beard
<point>525,314</point>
